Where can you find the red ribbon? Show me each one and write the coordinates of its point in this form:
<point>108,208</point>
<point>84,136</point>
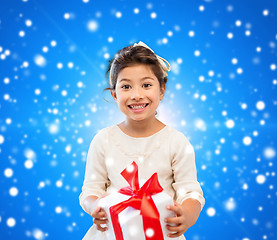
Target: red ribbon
<point>140,199</point>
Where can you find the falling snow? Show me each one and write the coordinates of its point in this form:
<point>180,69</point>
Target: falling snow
<point>221,93</point>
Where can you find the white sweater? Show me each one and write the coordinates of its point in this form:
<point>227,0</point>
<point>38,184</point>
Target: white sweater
<point>167,152</point>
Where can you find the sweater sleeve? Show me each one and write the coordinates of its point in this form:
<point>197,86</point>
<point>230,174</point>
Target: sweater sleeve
<point>96,176</point>
<point>185,181</point>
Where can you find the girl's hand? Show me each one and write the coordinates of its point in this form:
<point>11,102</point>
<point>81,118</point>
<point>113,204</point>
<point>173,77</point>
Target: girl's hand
<point>180,222</point>
<point>100,217</point>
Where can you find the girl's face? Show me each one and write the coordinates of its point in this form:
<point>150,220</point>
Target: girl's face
<point>138,92</point>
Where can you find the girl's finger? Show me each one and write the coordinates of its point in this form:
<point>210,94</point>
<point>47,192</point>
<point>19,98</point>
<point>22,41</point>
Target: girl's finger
<point>174,235</point>
<point>97,214</point>
<point>101,215</point>
<point>177,228</point>
<point>101,228</point>
<point>175,209</point>
<point>100,221</point>
<point>176,220</point>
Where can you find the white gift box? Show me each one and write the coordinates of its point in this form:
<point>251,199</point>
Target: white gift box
<point>130,219</point>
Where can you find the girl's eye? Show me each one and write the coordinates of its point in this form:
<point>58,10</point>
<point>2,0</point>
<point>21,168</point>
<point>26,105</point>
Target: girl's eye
<point>145,85</point>
<point>126,86</point>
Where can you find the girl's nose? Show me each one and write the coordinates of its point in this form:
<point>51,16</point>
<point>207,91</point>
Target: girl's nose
<point>136,93</point>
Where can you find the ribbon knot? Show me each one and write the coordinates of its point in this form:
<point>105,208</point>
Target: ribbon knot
<point>137,193</point>
<point>140,199</point>
<point>164,64</point>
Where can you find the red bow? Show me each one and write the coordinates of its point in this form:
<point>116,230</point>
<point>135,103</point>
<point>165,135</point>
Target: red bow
<point>140,199</point>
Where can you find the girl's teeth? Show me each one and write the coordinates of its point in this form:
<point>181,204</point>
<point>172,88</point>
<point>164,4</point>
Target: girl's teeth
<point>138,106</point>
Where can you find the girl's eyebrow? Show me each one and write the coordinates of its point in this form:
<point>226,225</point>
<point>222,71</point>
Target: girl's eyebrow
<point>128,80</point>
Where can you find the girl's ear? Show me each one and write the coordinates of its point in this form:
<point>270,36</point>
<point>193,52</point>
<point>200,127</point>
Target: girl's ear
<point>113,93</point>
<point>162,91</point>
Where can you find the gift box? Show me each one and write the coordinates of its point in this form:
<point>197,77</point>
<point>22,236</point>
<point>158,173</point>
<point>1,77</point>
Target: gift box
<point>136,213</point>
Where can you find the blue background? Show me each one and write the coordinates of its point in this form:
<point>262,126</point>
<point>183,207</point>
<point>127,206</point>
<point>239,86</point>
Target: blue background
<point>223,98</point>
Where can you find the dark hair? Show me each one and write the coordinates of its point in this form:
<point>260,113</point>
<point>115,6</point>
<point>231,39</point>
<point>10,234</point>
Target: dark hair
<point>130,56</point>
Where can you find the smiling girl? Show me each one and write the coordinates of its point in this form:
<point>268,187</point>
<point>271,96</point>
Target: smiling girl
<point>137,79</point>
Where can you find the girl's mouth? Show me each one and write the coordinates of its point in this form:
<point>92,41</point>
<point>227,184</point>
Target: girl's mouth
<point>138,107</point>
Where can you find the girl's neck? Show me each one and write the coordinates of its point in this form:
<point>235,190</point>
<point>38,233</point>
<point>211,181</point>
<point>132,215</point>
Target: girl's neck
<point>141,128</point>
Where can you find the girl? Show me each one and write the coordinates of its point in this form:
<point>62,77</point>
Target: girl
<point>137,79</point>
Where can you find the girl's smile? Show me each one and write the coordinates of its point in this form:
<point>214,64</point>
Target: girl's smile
<point>138,107</point>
